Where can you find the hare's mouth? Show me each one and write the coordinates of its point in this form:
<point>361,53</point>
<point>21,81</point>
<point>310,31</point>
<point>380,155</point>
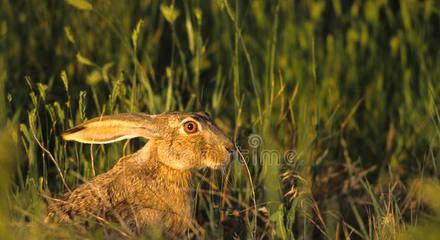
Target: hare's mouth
<point>230,156</point>
<point>224,162</point>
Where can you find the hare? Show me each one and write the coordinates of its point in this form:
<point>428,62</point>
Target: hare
<point>150,188</point>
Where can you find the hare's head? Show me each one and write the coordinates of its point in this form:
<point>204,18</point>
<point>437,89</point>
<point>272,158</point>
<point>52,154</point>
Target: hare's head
<point>180,140</point>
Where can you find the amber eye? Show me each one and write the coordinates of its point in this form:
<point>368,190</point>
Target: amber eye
<point>190,127</point>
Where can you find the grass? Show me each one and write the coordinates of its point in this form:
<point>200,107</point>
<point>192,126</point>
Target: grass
<point>343,95</point>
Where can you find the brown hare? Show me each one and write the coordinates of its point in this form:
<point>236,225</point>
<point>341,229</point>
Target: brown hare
<point>150,188</point>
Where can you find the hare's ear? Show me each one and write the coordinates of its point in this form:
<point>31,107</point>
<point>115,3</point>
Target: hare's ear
<point>107,129</point>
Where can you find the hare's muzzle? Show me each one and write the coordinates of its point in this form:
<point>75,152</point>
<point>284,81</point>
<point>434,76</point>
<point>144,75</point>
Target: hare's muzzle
<point>230,148</point>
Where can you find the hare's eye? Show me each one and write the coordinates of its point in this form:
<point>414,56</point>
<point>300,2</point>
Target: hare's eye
<point>190,127</point>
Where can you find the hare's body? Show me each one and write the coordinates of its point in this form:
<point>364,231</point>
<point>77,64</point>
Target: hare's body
<point>137,192</point>
<point>143,189</point>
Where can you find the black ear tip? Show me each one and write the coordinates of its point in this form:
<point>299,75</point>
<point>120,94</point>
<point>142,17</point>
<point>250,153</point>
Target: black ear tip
<point>73,130</point>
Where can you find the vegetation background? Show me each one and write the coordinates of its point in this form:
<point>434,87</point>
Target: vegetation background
<point>343,95</point>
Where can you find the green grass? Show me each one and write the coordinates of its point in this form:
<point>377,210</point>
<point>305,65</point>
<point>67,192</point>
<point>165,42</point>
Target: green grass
<point>350,88</point>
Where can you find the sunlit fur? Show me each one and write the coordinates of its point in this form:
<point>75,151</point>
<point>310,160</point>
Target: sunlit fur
<point>150,188</point>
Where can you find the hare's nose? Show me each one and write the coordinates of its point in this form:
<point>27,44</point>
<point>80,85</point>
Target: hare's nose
<point>230,147</point>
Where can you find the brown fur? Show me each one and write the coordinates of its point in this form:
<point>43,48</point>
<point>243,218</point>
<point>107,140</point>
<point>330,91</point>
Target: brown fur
<point>150,188</point>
